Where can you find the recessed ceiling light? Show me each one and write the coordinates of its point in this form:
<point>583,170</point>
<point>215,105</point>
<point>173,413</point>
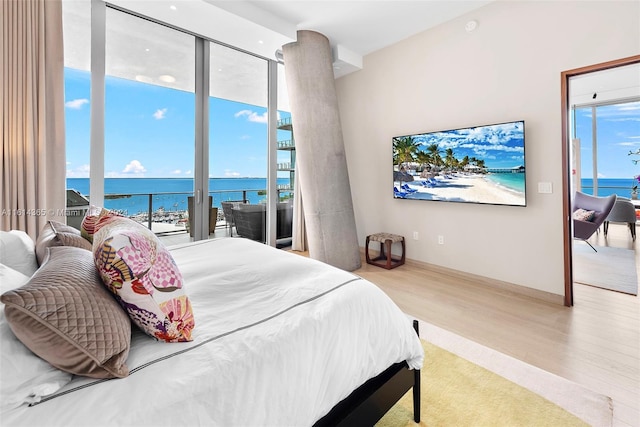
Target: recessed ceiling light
<point>147,50</point>
<point>143,79</point>
<point>173,7</point>
<point>471,25</point>
<point>167,78</point>
<point>260,42</point>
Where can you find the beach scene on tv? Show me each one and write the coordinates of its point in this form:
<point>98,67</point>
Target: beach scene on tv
<point>482,164</point>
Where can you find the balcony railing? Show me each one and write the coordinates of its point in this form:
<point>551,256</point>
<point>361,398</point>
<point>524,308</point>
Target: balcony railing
<point>285,166</point>
<point>171,207</point>
<point>286,144</point>
<point>604,190</point>
<point>284,122</point>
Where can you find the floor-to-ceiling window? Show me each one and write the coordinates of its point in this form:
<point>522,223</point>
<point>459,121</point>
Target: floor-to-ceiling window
<point>77,95</point>
<point>607,134</point>
<point>151,120</point>
<point>238,134</point>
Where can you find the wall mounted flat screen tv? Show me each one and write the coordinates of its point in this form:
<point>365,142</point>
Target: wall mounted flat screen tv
<point>480,164</point>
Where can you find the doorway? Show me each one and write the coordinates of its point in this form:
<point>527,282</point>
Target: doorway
<point>568,171</point>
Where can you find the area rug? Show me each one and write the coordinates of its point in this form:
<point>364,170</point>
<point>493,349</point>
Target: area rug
<point>468,384</point>
<point>609,268</point>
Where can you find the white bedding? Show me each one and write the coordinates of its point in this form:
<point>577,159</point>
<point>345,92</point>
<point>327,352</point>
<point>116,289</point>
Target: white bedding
<point>279,340</point>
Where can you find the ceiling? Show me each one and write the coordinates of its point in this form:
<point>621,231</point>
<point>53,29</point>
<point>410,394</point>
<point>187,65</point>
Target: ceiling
<point>354,28</point>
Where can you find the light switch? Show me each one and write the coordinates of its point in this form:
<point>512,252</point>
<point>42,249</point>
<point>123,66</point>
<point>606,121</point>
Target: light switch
<point>545,187</point>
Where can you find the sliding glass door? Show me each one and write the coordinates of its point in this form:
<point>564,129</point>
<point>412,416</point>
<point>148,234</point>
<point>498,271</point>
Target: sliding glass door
<point>607,137</point>
<point>149,121</point>
<point>186,122</point>
<point>238,139</point>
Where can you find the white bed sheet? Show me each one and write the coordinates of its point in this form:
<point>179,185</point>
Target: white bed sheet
<point>279,340</point>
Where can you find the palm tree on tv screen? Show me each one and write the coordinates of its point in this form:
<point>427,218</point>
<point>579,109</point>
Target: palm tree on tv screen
<point>404,150</point>
<point>449,160</point>
<point>435,153</point>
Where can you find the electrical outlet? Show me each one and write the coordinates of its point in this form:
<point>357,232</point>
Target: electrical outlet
<point>415,235</point>
<point>441,240</point>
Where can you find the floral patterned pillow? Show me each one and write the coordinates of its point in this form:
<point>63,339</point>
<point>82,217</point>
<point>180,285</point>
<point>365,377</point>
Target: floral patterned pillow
<point>145,279</point>
<point>95,218</point>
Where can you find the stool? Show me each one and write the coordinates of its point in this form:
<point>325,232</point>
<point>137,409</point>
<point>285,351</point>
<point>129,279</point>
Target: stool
<point>386,240</point>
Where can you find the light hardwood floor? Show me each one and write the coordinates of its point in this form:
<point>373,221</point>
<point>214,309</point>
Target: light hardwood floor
<point>596,343</point>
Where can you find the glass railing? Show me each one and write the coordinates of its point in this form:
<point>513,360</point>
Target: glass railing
<point>284,122</point>
<point>285,166</point>
<point>168,212</point>
<point>287,143</point>
<point>604,191</point>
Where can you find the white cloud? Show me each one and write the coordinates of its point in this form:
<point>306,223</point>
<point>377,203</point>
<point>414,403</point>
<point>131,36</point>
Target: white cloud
<point>76,104</point>
<point>231,174</point>
<point>252,116</point>
<point>134,167</point>
<point>180,172</point>
<point>79,172</point>
<point>160,114</point>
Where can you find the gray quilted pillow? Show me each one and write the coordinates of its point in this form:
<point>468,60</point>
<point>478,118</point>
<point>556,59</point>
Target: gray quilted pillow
<point>65,315</point>
<point>55,233</point>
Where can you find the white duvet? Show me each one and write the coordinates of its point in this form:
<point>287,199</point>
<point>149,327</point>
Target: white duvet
<point>279,340</point>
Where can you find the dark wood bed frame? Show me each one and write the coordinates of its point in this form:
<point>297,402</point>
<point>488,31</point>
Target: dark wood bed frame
<point>369,402</point>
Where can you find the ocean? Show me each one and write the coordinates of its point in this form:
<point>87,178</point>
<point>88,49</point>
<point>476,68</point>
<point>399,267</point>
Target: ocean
<point>135,192</point>
<point>177,189</point>
<point>607,186</point>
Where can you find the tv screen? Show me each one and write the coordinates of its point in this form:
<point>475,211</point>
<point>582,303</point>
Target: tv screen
<point>480,164</point>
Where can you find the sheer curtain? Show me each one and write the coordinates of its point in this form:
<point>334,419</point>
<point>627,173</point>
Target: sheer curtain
<point>32,179</point>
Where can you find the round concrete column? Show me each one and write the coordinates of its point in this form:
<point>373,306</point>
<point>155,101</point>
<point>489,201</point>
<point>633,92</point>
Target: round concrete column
<point>320,155</point>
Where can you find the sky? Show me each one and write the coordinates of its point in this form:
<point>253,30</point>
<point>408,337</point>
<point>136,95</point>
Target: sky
<point>618,133</point>
<point>149,132</point>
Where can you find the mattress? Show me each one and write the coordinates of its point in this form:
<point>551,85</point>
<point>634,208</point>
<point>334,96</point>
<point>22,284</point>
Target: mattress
<point>279,340</point>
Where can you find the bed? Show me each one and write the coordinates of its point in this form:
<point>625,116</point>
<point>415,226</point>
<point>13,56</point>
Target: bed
<point>279,339</point>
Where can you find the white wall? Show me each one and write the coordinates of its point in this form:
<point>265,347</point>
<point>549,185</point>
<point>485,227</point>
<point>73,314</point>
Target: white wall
<point>507,69</point>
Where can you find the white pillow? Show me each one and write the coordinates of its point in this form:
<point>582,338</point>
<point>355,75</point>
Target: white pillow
<point>18,251</point>
<point>24,377</point>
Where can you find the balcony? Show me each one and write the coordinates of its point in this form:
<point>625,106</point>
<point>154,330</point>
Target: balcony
<point>286,167</point>
<point>285,124</point>
<point>166,213</point>
<point>288,144</point>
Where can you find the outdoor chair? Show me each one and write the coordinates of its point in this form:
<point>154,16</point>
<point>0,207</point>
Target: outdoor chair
<point>250,221</point>
<point>623,211</point>
<point>589,212</point>
<point>213,215</point>
<point>227,209</point>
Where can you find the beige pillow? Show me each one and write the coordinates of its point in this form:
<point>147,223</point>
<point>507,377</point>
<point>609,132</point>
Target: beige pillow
<point>583,215</point>
<point>55,233</point>
<point>66,316</point>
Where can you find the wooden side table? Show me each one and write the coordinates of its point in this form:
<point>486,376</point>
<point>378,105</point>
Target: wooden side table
<point>385,240</point>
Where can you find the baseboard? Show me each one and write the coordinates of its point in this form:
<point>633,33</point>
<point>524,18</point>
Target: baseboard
<point>486,281</point>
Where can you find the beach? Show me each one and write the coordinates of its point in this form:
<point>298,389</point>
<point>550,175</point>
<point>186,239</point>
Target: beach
<point>473,188</point>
